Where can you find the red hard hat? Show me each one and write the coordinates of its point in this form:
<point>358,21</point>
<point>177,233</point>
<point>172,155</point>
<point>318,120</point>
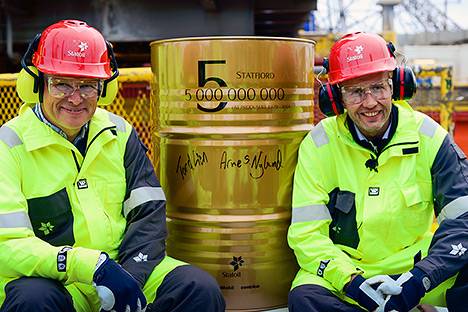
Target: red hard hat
<point>72,48</point>
<point>359,54</point>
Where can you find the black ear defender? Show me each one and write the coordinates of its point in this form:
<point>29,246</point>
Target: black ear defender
<point>404,83</point>
<point>330,100</point>
<point>330,96</point>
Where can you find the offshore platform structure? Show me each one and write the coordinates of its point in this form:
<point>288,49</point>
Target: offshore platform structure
<point>415,15</point>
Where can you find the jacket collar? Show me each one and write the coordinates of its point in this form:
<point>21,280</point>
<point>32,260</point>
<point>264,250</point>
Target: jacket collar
<point>36,134</point>
<point>380,143</point>
<point>404,126</point>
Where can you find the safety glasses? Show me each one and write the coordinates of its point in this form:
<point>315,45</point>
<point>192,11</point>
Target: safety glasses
<point>63,87</point>
<point>356,94</point>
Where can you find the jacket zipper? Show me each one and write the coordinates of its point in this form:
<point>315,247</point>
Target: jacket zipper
<point>78,167</point>
<point>99,133</point>
<point>76,161</point>
<point>373,162</point>
<point>86,152</point>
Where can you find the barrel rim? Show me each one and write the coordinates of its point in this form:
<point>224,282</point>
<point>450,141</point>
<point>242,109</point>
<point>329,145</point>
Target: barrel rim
<point>221,38</point>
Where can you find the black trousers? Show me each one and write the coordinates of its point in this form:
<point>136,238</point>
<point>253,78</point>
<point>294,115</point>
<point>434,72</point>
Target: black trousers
<point>315,298</point>
<point>457,296</point>
<point>185,289</point>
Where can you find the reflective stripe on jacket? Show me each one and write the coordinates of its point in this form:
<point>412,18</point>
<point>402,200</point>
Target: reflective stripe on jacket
<point>52,197</point>
<point>347,219</point>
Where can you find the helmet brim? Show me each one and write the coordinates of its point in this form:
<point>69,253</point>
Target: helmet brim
<point>361,69</point>
<point>73,69</point>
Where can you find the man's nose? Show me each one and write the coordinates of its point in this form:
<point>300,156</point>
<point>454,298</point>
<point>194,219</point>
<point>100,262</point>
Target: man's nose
<point>75,97</point>
<point>369,99</point>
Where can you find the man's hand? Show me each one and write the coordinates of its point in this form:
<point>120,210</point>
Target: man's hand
<point>117,290</point>
<point>362,292</point>
<point>413,284</point>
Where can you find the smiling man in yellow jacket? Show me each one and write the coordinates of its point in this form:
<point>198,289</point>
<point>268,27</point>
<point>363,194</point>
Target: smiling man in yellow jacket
<point>366,188</point>
<point>82,214</point>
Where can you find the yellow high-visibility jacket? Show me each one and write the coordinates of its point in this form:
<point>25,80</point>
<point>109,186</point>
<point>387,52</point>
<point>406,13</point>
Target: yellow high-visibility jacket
<point>52,197</point>
<point>349,219</point>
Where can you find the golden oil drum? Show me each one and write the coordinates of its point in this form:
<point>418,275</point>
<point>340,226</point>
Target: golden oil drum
<point>229,114</point>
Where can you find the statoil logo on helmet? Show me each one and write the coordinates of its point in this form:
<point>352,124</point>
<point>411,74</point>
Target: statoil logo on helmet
<point>82,46</point>
<point>359,54</point>
<point>358,49</point>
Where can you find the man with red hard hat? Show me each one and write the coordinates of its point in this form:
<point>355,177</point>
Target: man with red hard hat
<point>368,182</point>
<point>82,214</point>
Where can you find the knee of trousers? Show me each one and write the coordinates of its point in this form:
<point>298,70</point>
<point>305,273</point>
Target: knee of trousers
<point>36,294</point>
<point>197,281</point>
<point>298,298</point>
<point>315,298</point>
<point>456,296</point>
<point>188,289</point>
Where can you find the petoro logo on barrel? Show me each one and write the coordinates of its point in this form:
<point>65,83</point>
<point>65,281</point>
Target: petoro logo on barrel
<point>222,93</point>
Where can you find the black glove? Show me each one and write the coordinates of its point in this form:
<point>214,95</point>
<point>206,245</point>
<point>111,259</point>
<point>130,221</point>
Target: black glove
<point>117,289</point>
<point>363,293</point>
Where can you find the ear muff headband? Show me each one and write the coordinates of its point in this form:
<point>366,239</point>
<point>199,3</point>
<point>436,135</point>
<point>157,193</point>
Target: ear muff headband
<point>110,86</point>
<point>326,64</point>
<point>402,82</point>
<point>26,62</point>
<point>391,49</point>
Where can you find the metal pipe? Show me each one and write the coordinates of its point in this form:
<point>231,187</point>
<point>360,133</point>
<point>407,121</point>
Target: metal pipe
<point>9,37</point>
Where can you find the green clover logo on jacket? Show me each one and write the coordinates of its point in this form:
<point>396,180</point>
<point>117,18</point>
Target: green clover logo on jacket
<point>46,228</point>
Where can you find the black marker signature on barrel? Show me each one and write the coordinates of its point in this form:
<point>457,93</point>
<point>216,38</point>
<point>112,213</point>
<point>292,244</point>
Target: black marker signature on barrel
<point>194,159</point>
<point>258,163</point>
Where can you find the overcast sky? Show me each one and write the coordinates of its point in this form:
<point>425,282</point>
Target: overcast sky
<point>366,14</point>
<point>458,11</point>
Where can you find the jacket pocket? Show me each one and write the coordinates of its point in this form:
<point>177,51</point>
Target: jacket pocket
<point>343,228</point>
<point>417,213</point>
<point>52,219</point>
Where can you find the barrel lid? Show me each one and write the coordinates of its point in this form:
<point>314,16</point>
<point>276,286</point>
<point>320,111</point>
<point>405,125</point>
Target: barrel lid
<point>230,38</point>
